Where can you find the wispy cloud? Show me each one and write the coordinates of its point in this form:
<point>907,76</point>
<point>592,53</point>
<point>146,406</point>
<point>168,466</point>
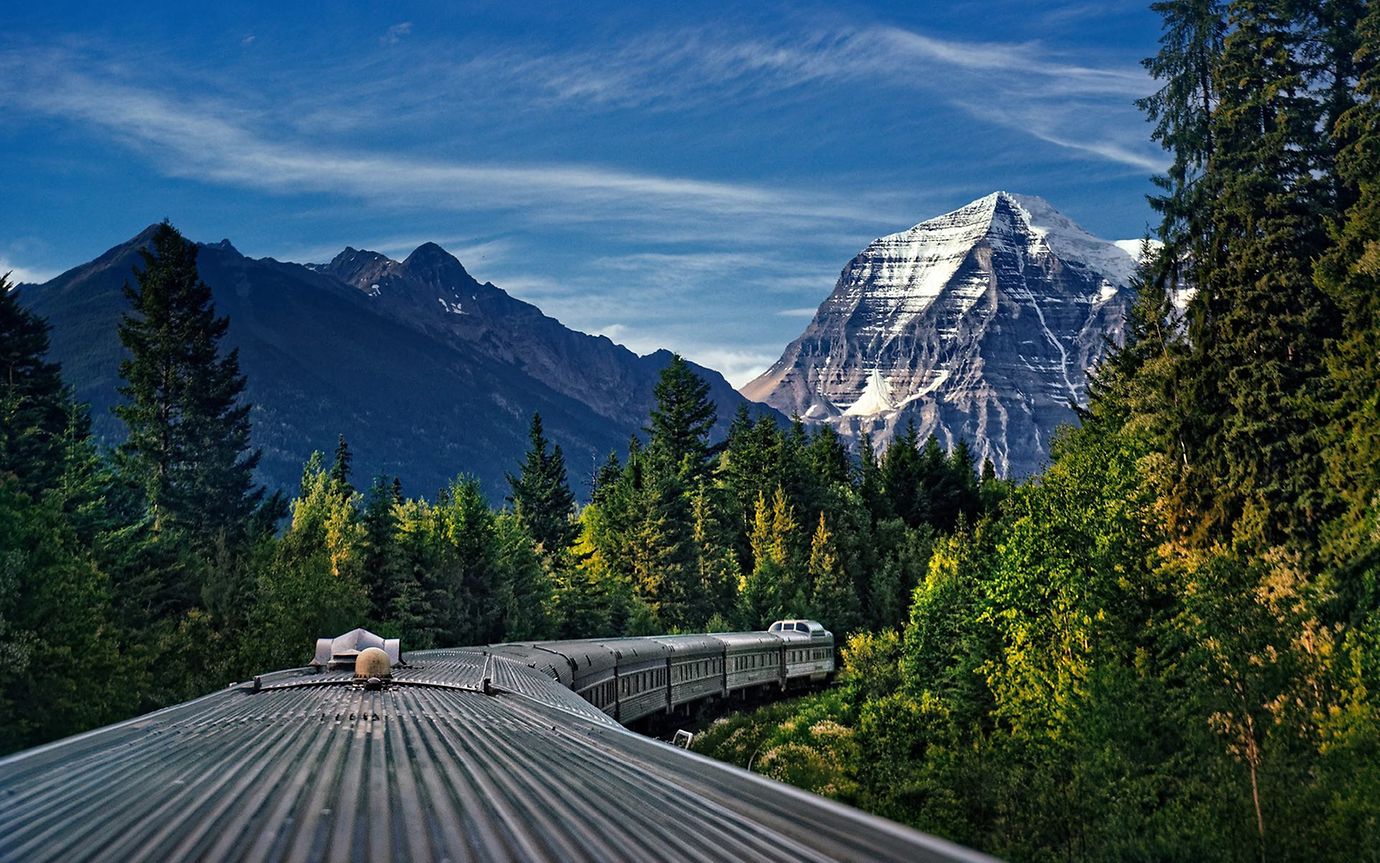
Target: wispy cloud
<point>209,141</point>
<point>20,274</point>
<point>1022,86</point>
<point>393,35</point>
<point>677,253</point>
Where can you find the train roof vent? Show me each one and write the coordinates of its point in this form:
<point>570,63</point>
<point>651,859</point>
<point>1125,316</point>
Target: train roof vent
<point>343,650</point>
<point>373,667</point>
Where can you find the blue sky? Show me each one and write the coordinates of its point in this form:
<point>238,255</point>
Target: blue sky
<point>693,178</point>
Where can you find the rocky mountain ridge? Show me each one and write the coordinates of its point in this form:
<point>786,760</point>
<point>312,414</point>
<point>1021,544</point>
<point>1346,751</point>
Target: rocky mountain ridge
<point>426,371</point>
<point>980,324</point>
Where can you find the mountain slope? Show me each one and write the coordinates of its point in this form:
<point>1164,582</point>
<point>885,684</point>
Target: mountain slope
<point>977,325</point>
<point>416,398</point>
<point>431,292</point>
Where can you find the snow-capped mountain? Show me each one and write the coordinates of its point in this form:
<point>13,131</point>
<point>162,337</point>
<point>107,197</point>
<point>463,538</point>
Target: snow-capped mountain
<point>979,325</point>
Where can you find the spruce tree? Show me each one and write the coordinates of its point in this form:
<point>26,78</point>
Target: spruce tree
<point>340,468</point>
<point>1259,323</point>
<point>1182,110</point>
<point>33,405</point>
<point>1350,273</point>
<point>903,472</point>
<point>716,562</point>
<point>871,485</point>
<point>188,446</point>
<point>833,598</point>
<point>541,496</point>
<point>382,566</point>
<point>828,457</point>
<point>681,420</point>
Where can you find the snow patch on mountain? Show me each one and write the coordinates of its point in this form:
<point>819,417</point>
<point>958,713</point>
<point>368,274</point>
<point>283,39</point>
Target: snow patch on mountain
<point>980,324</point>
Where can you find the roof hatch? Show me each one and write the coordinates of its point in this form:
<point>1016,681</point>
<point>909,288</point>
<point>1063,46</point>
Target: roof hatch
<point>342,651</point>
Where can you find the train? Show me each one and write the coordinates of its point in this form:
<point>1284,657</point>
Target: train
<point>462,753</point>
<point>632,679</point>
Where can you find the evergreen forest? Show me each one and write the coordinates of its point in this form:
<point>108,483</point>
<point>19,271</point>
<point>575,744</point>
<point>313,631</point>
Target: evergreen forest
<point>1164,647</point>
<point>1167,646</point>
<point>156,571</point>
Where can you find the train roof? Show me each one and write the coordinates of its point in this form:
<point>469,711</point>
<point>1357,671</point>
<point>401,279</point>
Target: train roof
<point>638,648</point>
<point>691,643</point>
<point>740,641</point>
<point>434,766</point>
<point>586,655</point>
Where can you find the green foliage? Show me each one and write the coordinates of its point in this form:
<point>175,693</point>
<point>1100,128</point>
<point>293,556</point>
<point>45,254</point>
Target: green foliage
<point>541,495</point>
<point>188,442</point>
<point>62,666</point>
<point>681,420</point>
<point>1167,647</point>
<point>1164,648</point>
<point>33,406</point>
<point>314,585</point>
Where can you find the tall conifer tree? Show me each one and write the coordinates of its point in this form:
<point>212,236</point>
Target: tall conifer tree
<point>33,405</point>
<point>540,493</point>
<point>188,446</point>
<point>681,420</point>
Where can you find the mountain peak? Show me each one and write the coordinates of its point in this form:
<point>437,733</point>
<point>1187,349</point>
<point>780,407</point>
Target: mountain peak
<point>978,324</point>
<point>431,255</point>
<point>1031,217</point>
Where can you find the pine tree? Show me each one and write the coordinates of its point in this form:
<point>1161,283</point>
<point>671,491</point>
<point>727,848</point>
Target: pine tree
<point>903,473</point>
<point>33,405</point>
<point>681,420</point>
<point>540,494</point>
<point>832,594</point>
<point>716,563</point>
<point>1182,111</point>
<point>340,468</point>
<point>1258,322</point>
<point>1350,273</point>
<point>381,566</point>
<point>188,444</point>
<point>871,485</point>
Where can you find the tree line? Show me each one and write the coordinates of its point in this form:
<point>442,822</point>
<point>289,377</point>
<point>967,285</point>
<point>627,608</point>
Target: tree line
<point>1167,647</point>
<point>154,571</point>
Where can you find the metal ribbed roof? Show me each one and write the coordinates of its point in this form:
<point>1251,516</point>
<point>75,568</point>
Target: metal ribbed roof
<point>312,767</point>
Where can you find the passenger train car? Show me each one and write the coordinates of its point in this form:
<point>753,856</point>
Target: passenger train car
<point>633,678</point>
<point>506,752</point>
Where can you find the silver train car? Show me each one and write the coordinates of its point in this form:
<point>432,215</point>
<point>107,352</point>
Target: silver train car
<point>630,679</point>
<point>506,752</point>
